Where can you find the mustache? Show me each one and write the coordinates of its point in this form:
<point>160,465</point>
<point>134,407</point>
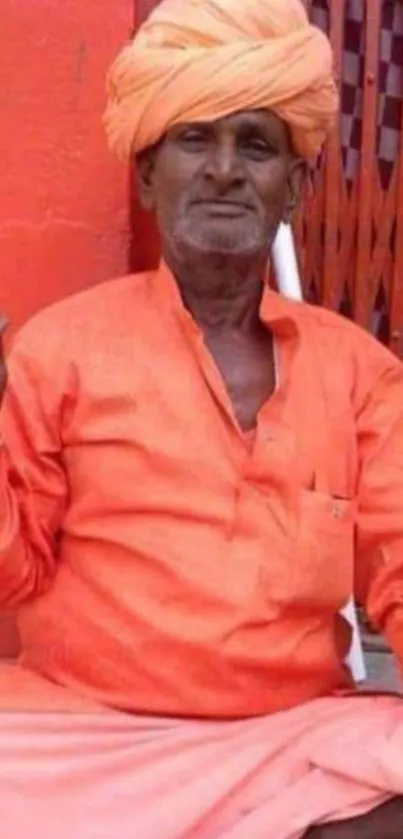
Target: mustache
<point>224,200</point>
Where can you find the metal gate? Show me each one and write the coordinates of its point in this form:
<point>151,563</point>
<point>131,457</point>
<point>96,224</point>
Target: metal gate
<point>350,232</point>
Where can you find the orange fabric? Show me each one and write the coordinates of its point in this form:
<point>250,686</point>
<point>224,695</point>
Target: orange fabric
<point>198,60</point>
<point>24,691</point>
<point>158,564</point>
<point>77,776</point>
<point>250,437</point>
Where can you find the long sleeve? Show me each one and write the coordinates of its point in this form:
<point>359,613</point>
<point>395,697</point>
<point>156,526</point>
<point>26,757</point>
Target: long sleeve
<point>33,486</point>
<point>379,557</point>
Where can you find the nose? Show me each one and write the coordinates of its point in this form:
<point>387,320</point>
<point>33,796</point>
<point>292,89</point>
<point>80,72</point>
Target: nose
<point>224,166</point>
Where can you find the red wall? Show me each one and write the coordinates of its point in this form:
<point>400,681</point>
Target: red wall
<point>64,202</point>
<point>145,241</point>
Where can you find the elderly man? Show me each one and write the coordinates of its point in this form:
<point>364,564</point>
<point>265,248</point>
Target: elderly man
<point>195,473</point>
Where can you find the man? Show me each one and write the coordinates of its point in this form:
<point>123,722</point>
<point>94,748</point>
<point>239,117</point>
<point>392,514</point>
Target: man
<point>195,475</point>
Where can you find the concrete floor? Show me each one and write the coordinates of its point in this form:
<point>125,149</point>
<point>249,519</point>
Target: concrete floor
<point>383,672</point>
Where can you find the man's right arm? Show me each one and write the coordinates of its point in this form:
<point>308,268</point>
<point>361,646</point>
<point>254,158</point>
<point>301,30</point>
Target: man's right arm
<point>33,486</point>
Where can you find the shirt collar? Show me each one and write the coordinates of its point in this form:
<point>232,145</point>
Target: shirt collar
<point>281,315</point>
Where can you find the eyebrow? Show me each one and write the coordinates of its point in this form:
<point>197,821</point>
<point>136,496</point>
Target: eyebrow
<point>275,134</point>
<point>250,122</point>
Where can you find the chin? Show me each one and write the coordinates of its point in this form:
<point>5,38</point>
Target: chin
<point>217,243</point>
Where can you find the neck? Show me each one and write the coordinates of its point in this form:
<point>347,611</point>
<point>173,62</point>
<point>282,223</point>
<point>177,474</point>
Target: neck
<point>221,294</point>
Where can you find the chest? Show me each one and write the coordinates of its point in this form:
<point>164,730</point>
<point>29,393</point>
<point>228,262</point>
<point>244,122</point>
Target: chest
<point>247,368</point>
<point>140,426</point>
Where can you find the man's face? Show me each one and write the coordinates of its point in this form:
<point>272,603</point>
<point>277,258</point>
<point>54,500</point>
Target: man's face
<point>221,187</point>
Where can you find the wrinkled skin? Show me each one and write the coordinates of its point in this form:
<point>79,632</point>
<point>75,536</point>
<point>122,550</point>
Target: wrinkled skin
<point>219,191</point>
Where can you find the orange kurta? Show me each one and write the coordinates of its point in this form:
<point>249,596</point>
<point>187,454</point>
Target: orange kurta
<point>159,562</point>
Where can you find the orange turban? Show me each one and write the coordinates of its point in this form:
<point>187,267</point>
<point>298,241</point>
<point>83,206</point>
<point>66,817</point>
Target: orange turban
<point>199,60</point>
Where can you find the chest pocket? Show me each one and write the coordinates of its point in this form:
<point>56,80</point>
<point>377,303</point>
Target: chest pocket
<point>325,513</point>
<point>324,550</point>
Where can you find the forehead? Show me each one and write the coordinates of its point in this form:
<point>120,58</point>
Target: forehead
<point>261,121</point>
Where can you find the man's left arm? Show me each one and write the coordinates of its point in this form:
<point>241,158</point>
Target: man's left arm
<point>379,555</point>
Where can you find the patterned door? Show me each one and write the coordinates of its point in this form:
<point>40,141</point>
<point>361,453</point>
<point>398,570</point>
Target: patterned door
<point>350,231</point>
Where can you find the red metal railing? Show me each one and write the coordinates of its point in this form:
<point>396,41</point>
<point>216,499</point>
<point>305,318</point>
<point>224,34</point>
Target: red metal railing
<point>349,231</point>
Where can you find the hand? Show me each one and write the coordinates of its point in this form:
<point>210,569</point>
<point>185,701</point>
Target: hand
<point>3,368</point>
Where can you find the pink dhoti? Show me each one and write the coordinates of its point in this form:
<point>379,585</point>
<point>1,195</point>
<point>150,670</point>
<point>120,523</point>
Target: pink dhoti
<point>78,772</point>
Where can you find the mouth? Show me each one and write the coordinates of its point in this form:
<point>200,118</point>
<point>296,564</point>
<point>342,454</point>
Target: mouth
<point>226,208</point>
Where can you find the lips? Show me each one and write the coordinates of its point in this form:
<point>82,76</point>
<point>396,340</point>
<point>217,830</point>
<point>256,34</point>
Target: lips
<point>225,208</point>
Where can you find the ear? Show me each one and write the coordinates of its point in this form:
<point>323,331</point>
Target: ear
<point>296,176</point>
<point>145,177</point>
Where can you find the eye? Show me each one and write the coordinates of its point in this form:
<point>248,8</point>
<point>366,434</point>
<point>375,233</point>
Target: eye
<point>257,147</point>
<point>192,139</point>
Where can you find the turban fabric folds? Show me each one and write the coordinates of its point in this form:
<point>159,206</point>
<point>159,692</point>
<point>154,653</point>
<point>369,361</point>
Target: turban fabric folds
<point>201,60</point>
